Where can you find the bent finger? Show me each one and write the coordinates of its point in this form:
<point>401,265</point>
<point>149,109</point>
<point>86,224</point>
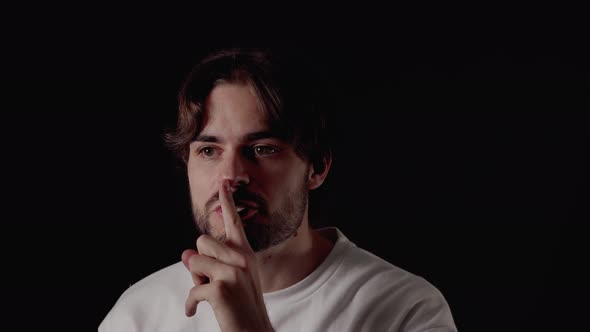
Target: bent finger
<point>186,255</point>
<point>209,246</point>
<point>205,292</point>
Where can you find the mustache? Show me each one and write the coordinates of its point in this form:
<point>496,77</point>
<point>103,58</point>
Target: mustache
<point>240,195</point>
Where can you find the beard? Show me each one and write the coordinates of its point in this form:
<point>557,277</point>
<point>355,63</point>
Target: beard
<point>282,223</point>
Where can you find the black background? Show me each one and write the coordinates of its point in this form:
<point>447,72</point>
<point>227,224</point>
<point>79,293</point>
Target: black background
<point>461,149</point>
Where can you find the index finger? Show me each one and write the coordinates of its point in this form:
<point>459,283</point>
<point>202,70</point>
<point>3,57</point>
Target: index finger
<point>234,229</point>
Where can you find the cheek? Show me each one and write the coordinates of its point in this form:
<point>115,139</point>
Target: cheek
<point>201,187</point>
<point>283,179</point>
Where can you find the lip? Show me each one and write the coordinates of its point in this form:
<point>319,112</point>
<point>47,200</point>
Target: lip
<point>251,212</point>
<point>249,204</point>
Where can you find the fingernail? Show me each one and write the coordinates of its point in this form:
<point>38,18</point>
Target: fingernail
<point>190,312</point>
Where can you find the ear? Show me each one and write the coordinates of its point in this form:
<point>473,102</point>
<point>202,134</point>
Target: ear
<point>318,172</point>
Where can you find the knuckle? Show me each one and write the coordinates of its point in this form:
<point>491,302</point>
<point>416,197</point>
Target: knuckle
<point>202,241</point>
<point>193,262</point>
<point>241,261</point>
<point>233,273</point>
<point>192,294</point>
<point>220,289</point>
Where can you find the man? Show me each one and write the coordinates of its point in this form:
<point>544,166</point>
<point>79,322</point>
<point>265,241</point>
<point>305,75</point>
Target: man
<point>254,145</point>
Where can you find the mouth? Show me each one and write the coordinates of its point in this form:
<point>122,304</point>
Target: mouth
<point>244,211</point>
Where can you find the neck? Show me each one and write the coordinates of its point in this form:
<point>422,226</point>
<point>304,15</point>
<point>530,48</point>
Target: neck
<point>294,259</point>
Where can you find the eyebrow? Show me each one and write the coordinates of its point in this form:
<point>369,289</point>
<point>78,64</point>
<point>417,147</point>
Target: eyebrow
<point>205,138</point>
<point>246,138</point>
<point>264,134</point>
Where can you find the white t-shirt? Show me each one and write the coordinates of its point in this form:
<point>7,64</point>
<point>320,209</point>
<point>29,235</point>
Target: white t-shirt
<point>352,290</point>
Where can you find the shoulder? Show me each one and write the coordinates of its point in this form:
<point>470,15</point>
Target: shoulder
<point>166,283</point>
<point>157,297</point>
<point>369,270</point>
<point>390,293</point>
<point>372,273</point>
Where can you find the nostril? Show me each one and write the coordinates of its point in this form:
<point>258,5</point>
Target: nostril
<point>229,185</point>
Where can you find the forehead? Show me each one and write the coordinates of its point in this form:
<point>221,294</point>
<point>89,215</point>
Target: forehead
<point>234,106</point>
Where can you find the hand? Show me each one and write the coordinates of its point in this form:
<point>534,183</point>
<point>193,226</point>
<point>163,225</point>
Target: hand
<point>226,275</point>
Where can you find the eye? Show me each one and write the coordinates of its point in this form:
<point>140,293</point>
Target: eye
<point>265,150</point>
<point>208,152</point>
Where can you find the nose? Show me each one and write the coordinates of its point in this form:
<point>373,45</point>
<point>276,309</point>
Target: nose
<point>233,168</point>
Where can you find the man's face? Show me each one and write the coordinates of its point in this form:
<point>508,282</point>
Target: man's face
<point>269,179</point>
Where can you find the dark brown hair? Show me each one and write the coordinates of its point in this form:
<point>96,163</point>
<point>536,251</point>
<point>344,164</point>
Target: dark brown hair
<point>285,89</point>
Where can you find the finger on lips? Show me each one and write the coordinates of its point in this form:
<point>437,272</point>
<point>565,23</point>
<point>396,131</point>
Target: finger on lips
<point>234,229</point>
<point>215,261</point>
